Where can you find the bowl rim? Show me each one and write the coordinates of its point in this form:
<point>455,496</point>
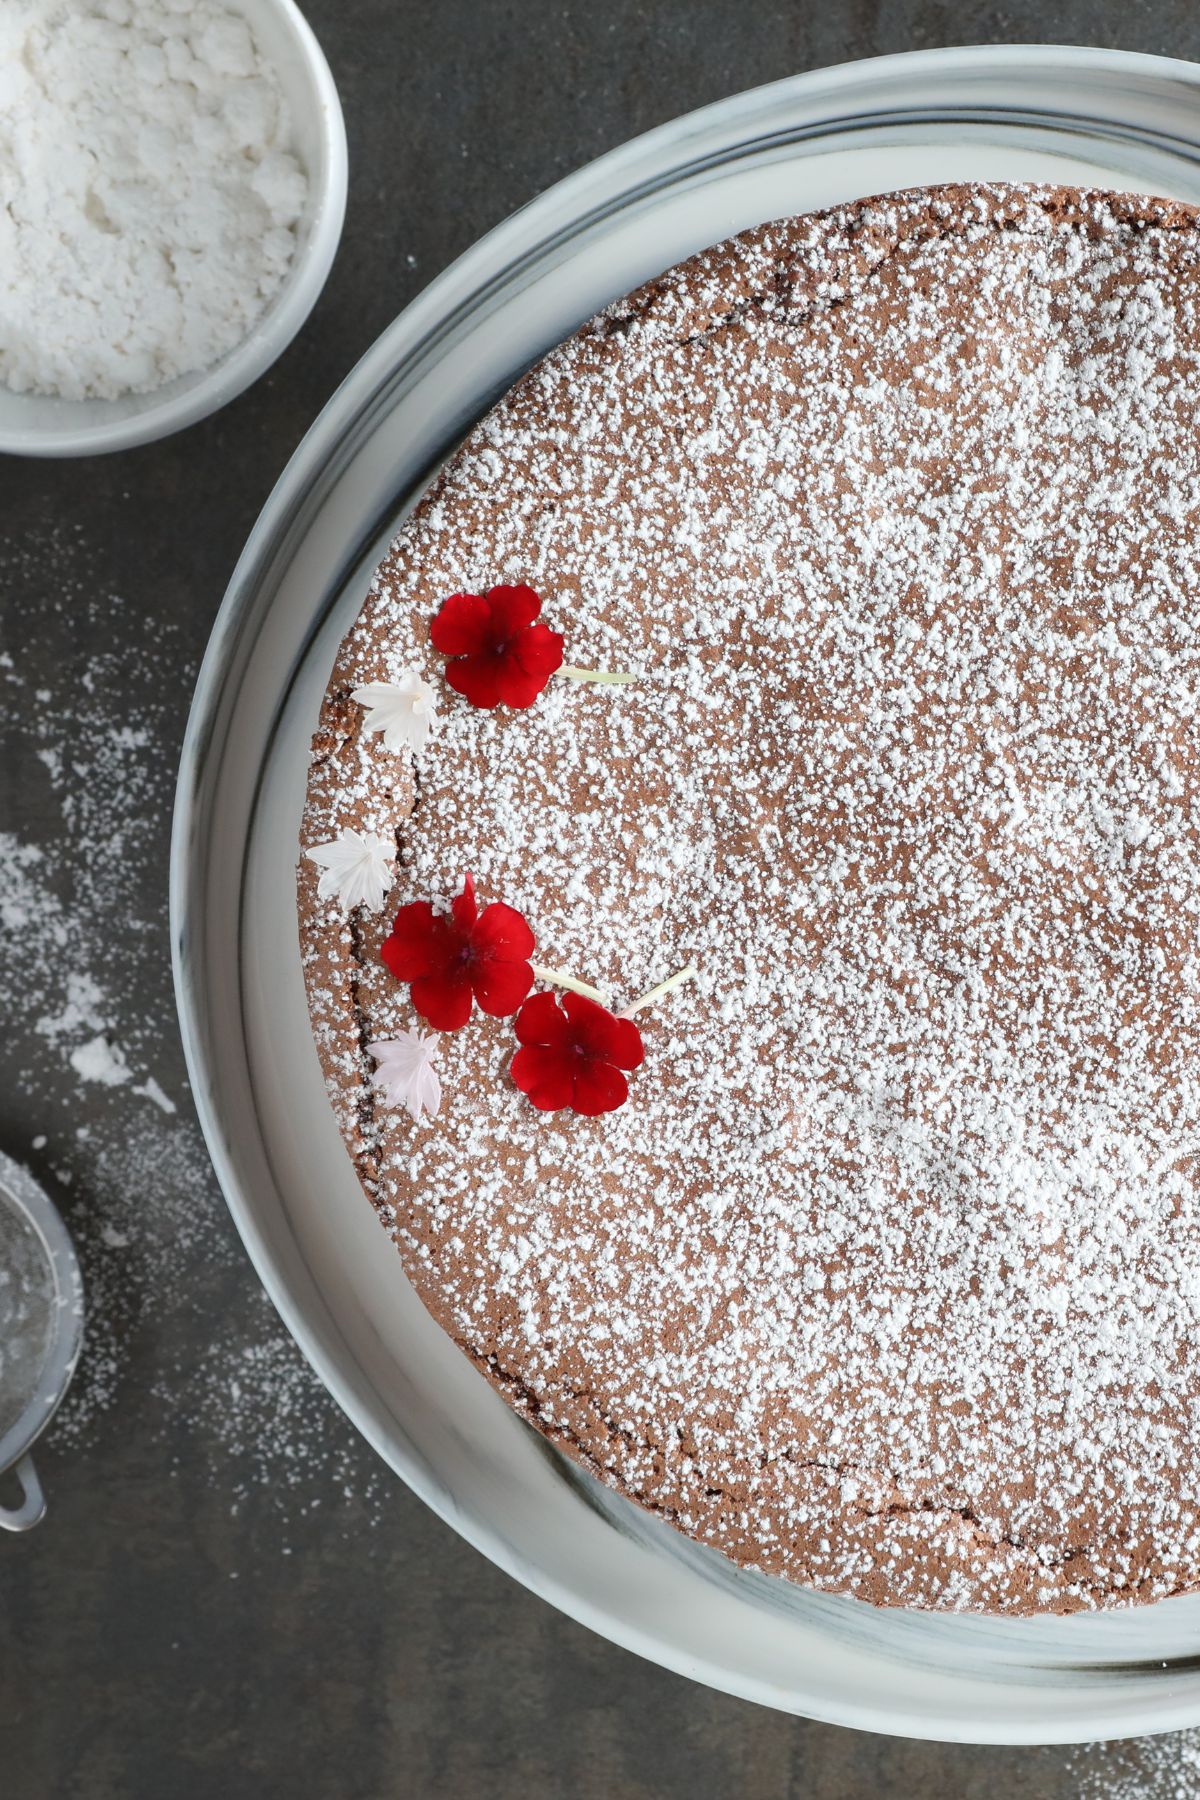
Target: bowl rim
<point>212,388</point>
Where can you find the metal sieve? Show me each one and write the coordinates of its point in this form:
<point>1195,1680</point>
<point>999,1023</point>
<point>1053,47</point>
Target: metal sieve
<point>41,1329</point>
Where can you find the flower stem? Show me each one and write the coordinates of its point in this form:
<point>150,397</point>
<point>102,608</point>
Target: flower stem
<point>557,979</point>
<point>610,677</point>
<point>664,987</point>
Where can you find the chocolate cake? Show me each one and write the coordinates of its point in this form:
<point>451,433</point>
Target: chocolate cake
<point>885,1276</point>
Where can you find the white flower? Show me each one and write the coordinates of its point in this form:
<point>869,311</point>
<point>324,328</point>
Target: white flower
<point>406,1072</point>
<point>402,710</point>
<point>356,869</point>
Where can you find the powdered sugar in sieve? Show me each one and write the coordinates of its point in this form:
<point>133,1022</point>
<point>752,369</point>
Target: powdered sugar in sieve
<point>27,1305</point>
<point>41,1327</point>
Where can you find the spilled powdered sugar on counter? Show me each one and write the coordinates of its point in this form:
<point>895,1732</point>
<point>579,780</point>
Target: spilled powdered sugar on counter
<point>1157,1768</point>
<point>97,1103</point>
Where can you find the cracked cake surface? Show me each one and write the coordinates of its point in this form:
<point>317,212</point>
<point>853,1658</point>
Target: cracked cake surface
<point>886,1277</point>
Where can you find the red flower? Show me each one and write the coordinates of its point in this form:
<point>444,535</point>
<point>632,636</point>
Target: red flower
<point>500,657</point>
<point>454,961</point>
<point>573,1054</point>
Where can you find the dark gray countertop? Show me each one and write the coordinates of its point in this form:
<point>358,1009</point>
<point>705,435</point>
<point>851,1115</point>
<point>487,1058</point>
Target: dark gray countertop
<point>231,1596</point>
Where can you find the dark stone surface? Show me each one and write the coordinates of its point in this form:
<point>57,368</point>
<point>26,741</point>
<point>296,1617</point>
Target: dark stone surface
<point>230,1597</point>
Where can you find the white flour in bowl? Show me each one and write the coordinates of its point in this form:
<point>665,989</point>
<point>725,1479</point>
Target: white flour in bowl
<point>148,192</point>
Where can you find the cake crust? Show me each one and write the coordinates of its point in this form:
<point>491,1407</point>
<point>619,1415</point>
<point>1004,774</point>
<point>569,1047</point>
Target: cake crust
<point>886,1278</point>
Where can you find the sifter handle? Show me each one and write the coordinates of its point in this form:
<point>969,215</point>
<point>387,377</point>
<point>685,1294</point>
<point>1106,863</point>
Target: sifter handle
<point>32,1507</point>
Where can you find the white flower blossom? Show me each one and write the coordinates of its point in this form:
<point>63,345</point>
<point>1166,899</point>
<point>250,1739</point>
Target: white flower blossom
<point>402,710</point>
<point>406,1073</point>
<point>355,869</point>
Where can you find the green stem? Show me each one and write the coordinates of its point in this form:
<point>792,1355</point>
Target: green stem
<point>557,979</point>
<point>609,677</point>
<point>664,987</point>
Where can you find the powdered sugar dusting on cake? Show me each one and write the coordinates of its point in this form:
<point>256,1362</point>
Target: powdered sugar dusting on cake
<point>888,1274</point>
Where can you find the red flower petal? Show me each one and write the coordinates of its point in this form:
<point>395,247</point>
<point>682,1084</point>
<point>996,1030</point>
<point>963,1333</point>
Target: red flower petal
<point>418,944</point>
<point>515,687</point>
<point>502,933</point>
<point>512,609</point>
<point>599,1088</point>
<point>465,910</point>
<point>463,625</point>
<point>539,651</point>
<point>444,1001</point>
<point>500,987</point>
<point>543,1074</point>
<point>542,1022</point>
<point>627,1050</point>
<point>477,678</point>
<point>600,1034</point>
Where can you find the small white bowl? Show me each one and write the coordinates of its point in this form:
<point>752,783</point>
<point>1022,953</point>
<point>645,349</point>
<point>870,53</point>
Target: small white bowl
<point>39,425</point>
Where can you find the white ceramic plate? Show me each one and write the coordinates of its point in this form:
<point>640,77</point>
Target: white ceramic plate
<point>1079,116</point>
